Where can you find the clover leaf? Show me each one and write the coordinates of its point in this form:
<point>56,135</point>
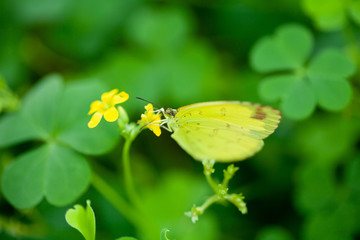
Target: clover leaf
<point>54,114</point>
<point>53,171</point>
<point>298,82</point>
<point>330,15</point>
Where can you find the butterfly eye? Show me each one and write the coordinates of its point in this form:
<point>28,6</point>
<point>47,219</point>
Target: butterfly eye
<point>171,112</point>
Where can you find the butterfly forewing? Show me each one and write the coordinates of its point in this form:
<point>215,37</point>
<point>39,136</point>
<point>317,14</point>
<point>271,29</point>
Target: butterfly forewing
<point>223,131</point>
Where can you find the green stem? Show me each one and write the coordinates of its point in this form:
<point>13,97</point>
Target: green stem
<point>135,217</point>
<point>208,202</point>
<point>150,227</point>
<point>226,180</point>
<point>128,178</point>
<point>212,183</point>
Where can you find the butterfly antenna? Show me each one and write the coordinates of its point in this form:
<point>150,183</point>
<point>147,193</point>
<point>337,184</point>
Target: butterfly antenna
<point>149,102</point>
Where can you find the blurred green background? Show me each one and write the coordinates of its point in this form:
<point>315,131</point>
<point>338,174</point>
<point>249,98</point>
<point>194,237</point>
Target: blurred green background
<point>304,184</point>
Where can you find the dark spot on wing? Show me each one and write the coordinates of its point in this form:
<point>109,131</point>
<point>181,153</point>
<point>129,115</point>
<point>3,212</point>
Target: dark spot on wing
<point>223,111</point>
<point>259,114</point>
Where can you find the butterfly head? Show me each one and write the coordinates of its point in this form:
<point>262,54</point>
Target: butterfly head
<point>169,112</point>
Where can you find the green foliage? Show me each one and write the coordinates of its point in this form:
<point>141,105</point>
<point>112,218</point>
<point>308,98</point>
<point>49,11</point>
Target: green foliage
<point>51,171</point>
<point>175,194</point>
<point>316,187</point>
<point>83,220</point>
<point>8,101</point>
<point>304,184</point>
<point>274,233</point>
<point>328,201</point>
<point>326,139</point>
<point>160,30</point>
<point>53,114</point>
<point>301,86</point>
<point>334,14</point>
<point>353,175</point>
<point>335,224</point>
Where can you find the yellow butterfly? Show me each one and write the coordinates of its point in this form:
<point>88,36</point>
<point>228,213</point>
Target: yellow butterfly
<point>223,131</point>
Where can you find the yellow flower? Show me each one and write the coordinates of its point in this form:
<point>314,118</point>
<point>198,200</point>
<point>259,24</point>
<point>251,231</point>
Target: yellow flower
<point>151,120</point>
<point>106,107</point>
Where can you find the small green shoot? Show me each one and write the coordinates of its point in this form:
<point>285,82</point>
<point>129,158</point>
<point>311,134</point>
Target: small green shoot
<point>83,220</point>
<point>220,190</point>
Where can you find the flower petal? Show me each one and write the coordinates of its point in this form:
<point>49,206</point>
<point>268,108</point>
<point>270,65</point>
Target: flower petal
<point>120,98</point>
<point>95,119</point>
<point>156,129</point>
<point>149,108</point>
<point>96,106</point>
<point>111,115</point>
<point>107,97</point>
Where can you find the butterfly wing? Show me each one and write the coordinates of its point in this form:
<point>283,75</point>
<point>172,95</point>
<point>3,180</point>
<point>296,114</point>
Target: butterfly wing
<point>223,131</point>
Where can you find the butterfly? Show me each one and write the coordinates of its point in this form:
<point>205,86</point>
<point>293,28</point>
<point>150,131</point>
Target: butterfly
<point>223,131</point>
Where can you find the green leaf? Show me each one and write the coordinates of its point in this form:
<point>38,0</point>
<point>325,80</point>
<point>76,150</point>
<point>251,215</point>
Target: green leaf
<point>296,41</point>
<point>60,114</point>
<point>53,113</point>
<point>37,116</point>
<point>332,95</point>
<point>331,64</point>
<point>326,73</point>
<point>354,10</point>
<point>299,102</point>
<point>41,103</point>
<point>94,141</point>
<point>126,238</point>
<point>83,220</point>
<point>323,82</point>
<point>74,102</point>
<point>71,126</point>
<point>287,50</point>
<point>15,129</point>
<point>276,87</point>
<point>329,15</point>
<point>50,171</point>
<point>163,234</point>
